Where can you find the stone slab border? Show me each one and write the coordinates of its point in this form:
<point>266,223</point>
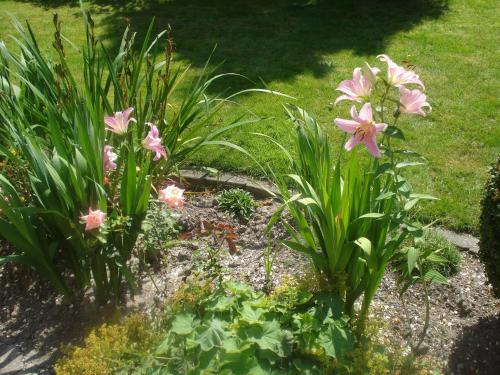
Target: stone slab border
<point>261,189</point>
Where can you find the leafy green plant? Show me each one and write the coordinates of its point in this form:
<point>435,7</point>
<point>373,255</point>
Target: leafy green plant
<point>431,243</point>
<point>238,202</point>
<point>341,218</point>
<point>430,259</point>
<point>453,260</point>
<point>489,245</point>
<point>159,228</point>
<point>57,129</point>
<point>350,218</point>
<point>233,330</point>
<point>421,264</point>
<point>207,263</point>
<point>106,348</point>
<point>207,260</point>
<point>236,330</point>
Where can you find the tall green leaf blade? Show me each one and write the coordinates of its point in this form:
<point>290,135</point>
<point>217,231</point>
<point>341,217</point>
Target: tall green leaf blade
<point>412,258</point>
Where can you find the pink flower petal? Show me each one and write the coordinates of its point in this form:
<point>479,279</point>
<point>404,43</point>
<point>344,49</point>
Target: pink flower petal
<point>345,97</point>
<point>118,123</point>
<point>94,219</point>
<point>371,145</point>
<point>127,112</point>
<point>413,101</point>
<point>172,196</point>
<point>348,126</point>
<point>366,113</point>
<point>346,87</point>
<point>380,127</point>
<point>370,73</point>
<point>354,114</point>
<point>385,59</point>
<point>356,89</point>
<point>356,74</point>
<point>351,143</point>
<point>110,121</point>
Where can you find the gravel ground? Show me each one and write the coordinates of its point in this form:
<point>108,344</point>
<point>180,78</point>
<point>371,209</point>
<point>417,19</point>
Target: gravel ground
<point>464,336</point>
<point>464,332</point>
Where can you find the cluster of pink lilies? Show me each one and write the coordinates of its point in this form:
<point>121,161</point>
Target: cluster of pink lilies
<point>361,125</point>
<point>359,89</point>
<point>172,196</point>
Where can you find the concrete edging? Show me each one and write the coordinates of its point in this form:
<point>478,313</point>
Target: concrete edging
<point>260,189</point>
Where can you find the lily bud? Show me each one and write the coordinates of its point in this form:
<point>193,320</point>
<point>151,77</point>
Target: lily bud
<point>370,73</point>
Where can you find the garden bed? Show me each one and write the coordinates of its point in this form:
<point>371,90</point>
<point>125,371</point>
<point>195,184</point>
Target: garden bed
<point>35,322</point>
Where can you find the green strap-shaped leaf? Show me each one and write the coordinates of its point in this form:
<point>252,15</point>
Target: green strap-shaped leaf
<point>21,259</point>
<point>412,257</point>
<point>385,195</point>
<point>434,276</point>
<point>371,215</point>
<point>410,204</point>
<point>365,244</point>
<point>423,196</point>
<point>405,164</point>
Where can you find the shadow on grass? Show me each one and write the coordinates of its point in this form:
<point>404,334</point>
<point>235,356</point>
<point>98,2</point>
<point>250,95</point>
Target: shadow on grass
<point>272,40</point>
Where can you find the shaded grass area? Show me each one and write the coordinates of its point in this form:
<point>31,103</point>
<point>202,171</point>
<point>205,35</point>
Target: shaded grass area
<point>304,48</point>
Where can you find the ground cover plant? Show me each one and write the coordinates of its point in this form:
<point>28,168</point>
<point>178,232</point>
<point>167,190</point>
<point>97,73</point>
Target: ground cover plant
<point>93,154</point>
<point>237,201</point>
<point>438,37</point>
<point>106,346</point>
<point>234,330</point>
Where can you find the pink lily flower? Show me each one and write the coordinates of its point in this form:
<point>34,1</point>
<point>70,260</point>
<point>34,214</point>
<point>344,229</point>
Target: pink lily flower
<point>153,142</point>
<point>172,196</point>
<point>397,75</point>
<point>109,159</point>
<point>413,101</point>
<point>119,122</point>
<point>356,89</point>
<point>363,129</point>
<point>94,219</point>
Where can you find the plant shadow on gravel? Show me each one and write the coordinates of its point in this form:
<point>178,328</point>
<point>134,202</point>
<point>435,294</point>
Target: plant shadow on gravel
<point>477,351</point>
<point>30,313</point>
<point>36,321</point>
<point>269,40</point>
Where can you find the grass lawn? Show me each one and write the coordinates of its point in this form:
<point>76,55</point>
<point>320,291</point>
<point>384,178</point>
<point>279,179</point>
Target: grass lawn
<point>304,48</point>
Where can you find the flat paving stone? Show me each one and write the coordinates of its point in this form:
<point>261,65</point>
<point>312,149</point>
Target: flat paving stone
<point>463,241</point>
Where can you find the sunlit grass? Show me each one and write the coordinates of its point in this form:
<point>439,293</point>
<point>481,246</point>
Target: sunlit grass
<point>305,48</point>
